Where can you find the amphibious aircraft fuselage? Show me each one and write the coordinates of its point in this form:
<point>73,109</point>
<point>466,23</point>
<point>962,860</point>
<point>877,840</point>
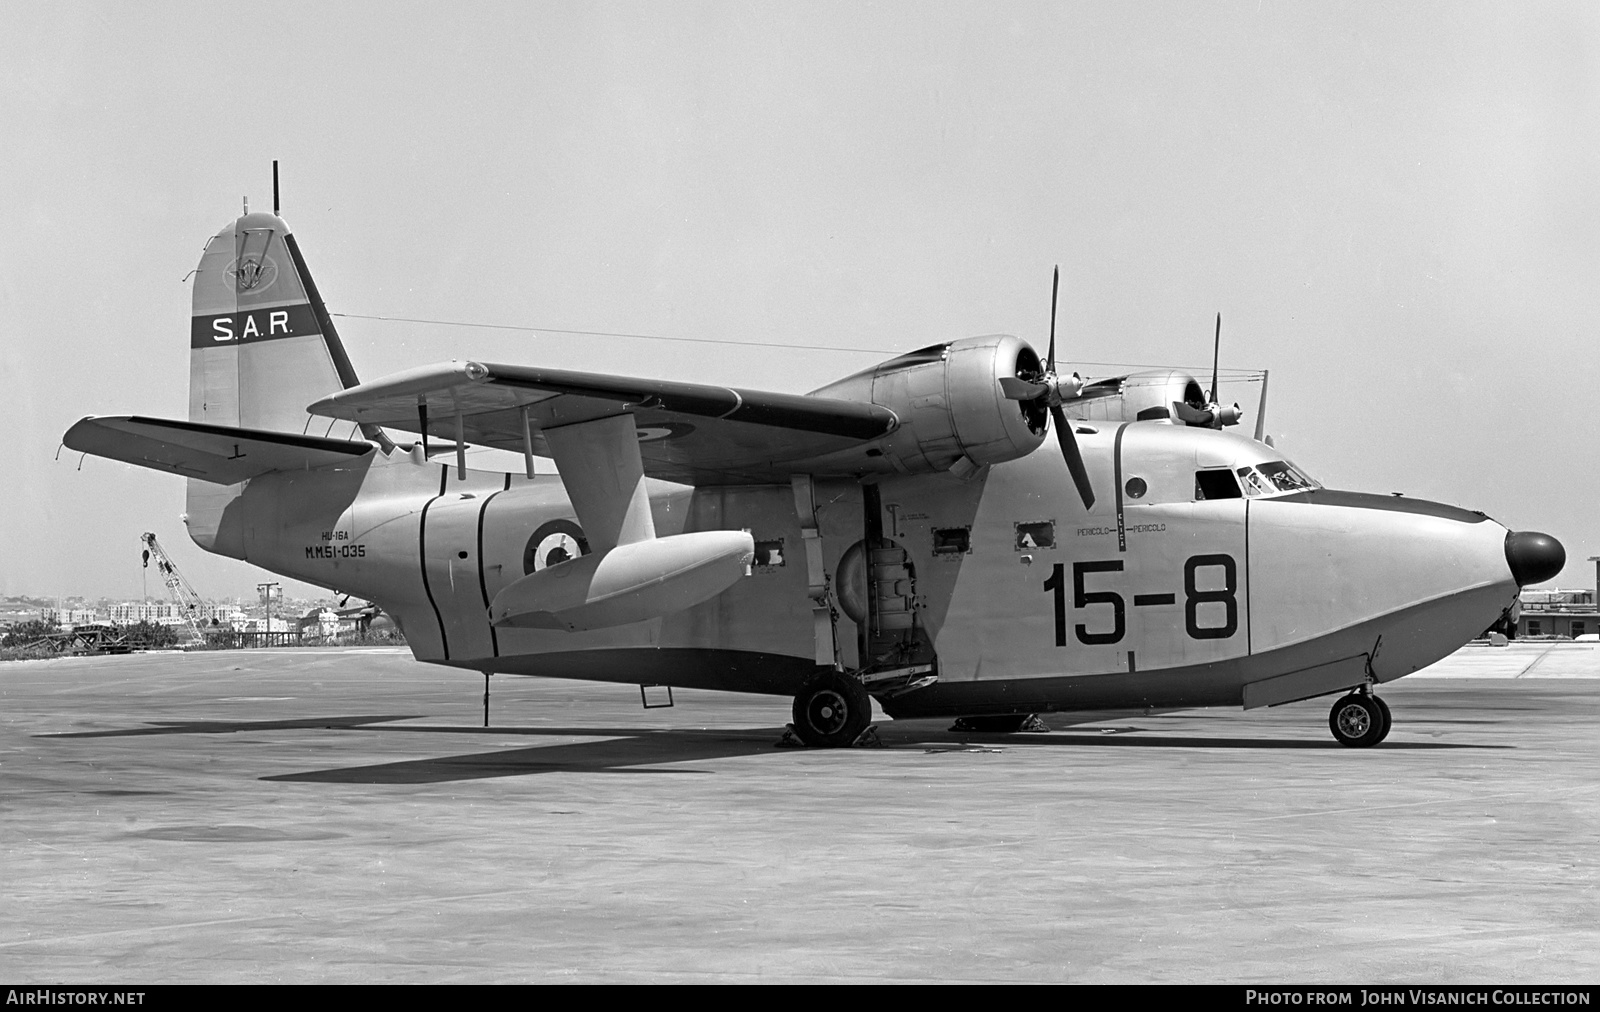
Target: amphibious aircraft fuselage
<point>911,533</point>
<point>1004,584</point>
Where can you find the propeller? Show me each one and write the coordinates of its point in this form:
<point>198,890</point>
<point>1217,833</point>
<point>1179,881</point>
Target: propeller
<point>1052,390</point>
<point>1213,415</point>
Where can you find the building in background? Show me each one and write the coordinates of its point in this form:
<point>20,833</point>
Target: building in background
<point>158,612</point>
<point>225,616</point>
<point>68,618</point>
<point>1560,614</point>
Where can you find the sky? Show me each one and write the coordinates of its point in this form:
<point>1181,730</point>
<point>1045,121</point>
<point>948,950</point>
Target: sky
<point>1393,206</point>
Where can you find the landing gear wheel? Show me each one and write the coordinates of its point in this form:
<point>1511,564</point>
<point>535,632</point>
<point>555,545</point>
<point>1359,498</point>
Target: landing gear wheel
<point>832,710</point>
<point>1358,721</point>
<point>1388,718</point>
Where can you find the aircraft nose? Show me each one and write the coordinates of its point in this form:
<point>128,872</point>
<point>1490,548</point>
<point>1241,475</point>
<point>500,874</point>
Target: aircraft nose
<point>1533,557</point>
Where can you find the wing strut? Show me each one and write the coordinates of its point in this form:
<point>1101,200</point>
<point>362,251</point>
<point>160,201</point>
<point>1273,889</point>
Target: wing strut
<point>527,440</point>
<point>461,447</point>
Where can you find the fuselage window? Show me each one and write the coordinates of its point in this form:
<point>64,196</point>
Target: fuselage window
<point>1215,485</point>
<point>952,540</point>
<point>1286,477</point>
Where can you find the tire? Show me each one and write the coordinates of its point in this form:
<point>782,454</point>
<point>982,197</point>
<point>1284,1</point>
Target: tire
<point>832,710</point>
<point>1357,721</point>
<point>1388,718</point>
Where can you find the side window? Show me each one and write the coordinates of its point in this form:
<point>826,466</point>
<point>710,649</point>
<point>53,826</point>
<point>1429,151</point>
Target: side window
<point>952,540</point>
<point>1215,485</point>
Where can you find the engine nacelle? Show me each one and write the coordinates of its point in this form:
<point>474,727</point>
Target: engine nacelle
<point>953,414</point>
<point>1138,397</point>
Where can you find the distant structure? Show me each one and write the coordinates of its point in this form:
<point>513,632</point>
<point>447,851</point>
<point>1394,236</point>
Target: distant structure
<point>187,603</point>
<point>156,612</point>
<point>68,617</point>
<point>1560,614</point>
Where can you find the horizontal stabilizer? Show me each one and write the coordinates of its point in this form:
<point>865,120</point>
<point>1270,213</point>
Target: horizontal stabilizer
<point>215,453</point>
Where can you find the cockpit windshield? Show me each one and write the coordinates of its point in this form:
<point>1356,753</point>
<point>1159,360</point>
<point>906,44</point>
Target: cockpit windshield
<point>1275,477</point>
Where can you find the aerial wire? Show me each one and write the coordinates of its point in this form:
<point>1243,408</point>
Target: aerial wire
<point>1241,375</point>
<point>608,333</point>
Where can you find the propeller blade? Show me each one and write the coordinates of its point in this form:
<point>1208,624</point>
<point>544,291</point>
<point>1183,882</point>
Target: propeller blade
<point>1261,412</point>
<point>1216,357</point>
<point>1055,285</point>
<point>1017,389</point>
<point>1071,454</point>
<point>1191,415</point>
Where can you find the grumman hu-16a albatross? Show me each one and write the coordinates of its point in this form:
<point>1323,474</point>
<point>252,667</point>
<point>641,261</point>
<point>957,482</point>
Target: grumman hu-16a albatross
<point>911,533</point>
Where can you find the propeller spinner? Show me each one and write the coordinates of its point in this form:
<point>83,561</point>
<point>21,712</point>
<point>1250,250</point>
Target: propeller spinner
<point>1052,390</point>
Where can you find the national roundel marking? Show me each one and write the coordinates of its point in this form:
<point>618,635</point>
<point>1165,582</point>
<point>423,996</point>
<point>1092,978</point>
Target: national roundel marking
<point>554,542</point>
<point>663,430</point>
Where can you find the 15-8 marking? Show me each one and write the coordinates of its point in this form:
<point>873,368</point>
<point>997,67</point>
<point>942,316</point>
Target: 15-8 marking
<point>1194,597</point>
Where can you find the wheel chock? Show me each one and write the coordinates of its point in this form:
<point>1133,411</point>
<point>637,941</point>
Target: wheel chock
<point>866,739</point>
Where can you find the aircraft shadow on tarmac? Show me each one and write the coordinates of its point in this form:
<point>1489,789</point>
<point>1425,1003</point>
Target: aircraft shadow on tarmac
<point>637,750</point>
<point>626,750</point>
<point>231,726</point>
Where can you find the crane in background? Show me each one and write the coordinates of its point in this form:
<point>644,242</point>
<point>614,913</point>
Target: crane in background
<point>190,606</point>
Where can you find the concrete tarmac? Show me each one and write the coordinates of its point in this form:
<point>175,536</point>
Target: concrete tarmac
<point>305,815</point>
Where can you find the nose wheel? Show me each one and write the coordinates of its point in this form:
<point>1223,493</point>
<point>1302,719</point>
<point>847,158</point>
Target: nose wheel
<point>1360,720</point>
<point>832,710</point>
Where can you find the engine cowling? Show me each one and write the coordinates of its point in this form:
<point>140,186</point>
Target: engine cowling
<point>953,414</point>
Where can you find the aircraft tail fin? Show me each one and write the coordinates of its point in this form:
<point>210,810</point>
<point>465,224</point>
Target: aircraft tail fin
<point>261,343</point>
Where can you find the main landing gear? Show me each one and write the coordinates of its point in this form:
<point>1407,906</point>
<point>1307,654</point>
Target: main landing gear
<point>1360,720</point>
<point>832,710</point>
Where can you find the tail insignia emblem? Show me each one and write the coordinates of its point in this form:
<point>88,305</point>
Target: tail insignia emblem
<point>252,273</point>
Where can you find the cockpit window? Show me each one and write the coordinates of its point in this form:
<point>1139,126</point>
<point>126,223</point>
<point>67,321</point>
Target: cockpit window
<point>1274,477</point>
<point>1215,485</point>
<point>1253,483</point>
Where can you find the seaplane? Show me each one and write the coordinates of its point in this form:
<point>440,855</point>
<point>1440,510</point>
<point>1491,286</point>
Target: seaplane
<point>962,531</point>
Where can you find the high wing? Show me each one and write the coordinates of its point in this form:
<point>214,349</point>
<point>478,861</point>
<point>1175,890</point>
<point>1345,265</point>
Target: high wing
<point>694,433</point>
<point>215,453</point>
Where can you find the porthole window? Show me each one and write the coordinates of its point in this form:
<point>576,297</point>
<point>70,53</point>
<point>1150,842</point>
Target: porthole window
<point>1136,488</point>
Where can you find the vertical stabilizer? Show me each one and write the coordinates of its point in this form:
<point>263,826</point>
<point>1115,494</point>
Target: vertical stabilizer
<point>262,345</point>
<point>261,348</point>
